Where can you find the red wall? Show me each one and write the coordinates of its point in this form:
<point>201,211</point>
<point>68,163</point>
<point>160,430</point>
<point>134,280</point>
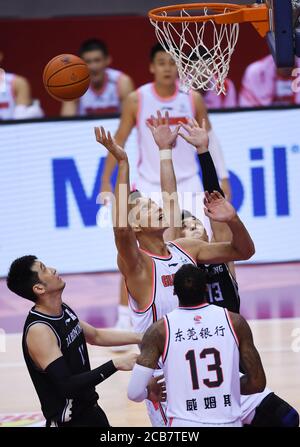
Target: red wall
<point>29,44</point>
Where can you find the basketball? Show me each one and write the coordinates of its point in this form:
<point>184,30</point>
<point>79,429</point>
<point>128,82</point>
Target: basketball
<point>66,77</point>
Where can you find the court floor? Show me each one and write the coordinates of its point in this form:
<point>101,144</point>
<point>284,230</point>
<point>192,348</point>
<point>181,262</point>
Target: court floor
<point>270,301</point>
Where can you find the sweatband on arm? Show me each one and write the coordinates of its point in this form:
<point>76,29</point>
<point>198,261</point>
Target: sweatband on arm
<point>165,154</point>
<point>71,386</point>
<point>209,174</point>
<point>217,155</point>
<point>137,388</point>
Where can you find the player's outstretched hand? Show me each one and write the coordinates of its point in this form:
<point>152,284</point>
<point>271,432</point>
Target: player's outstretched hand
<point>109,142</point>
<point>217,208</point>
<point>196,135</point>
<point>157,389</point>
<point>163,135</point>
<point>125,362</point>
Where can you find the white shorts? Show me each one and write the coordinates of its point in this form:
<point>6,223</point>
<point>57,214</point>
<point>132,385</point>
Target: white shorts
<point>190,195</point>
<point>158,417</point>
<point>157,413</point>
<point>184,423</point>
<point>250,403</point>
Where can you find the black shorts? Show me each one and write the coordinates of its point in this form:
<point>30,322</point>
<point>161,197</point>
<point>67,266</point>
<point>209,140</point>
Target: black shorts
<point>90,417</point>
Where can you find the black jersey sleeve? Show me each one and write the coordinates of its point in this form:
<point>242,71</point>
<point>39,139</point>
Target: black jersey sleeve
<point>71,386</point>
<point>209,174</point>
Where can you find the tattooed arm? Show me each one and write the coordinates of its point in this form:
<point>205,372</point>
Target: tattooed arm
<point>151,349</point>
<point>254,380</point>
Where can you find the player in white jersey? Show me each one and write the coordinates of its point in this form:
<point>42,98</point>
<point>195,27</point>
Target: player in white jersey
<point>260,409</point>
<point>15,97</point>
<point>264,84</point>
<point>162,94</point>
<point>139,240</point>
<point>200,346</point>
<point>108,88</point>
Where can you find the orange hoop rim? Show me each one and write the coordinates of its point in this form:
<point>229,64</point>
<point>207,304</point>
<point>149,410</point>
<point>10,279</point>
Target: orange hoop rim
<point>234,14</point>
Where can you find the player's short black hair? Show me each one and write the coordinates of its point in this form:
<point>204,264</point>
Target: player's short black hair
<point>21,278</point>
<point>190,285</point>
<point>93,44</point>
<point>186,215</point>
<point>135,194</point>
<point>157,48</point>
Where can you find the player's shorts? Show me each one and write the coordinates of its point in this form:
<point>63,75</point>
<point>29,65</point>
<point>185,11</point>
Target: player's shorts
<point>158,417</point>
<point>184,423</point>
<point>190,195</point>
<point>157,413</point>
<point>250,403</point>
<point>91,417</point>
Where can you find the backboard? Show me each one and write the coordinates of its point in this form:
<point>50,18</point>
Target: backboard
<point>284,35</point>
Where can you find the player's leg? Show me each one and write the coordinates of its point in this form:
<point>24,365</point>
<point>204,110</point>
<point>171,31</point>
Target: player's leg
<point>123,320</point>
<point>275,412</point>
<point>266,409</point>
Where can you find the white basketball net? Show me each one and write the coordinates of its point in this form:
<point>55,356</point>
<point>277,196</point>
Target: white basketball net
<point>202,50</point>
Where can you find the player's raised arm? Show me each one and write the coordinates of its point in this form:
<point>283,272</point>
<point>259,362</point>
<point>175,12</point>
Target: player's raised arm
<point>241,247</point>
<point>127,123</point>
<point>130,259</point>
<point>198,136</point>
<point>214,144</point>
<point>152,348</point>
<point>165,139</point>
<point>254,380</point>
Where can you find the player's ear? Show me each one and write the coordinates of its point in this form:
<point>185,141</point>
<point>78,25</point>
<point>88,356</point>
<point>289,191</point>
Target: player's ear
<point>39,289</point>
<point>151,68</point>
<point>108,60</point>
<point>136,227</point>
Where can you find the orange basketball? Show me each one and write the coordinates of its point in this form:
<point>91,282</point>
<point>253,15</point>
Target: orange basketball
<point>66,77</point>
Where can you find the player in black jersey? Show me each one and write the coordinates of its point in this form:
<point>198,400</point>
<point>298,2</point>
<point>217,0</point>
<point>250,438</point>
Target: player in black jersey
<point>222,286</point>
<point>263,409</point>
<point>55,351</point>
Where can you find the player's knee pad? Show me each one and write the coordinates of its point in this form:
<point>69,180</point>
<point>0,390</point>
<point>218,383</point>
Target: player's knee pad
<point>275,412</point>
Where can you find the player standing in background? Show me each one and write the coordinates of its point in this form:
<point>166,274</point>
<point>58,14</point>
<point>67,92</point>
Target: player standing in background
<point>147,263</point>
<point>262,409</point>
<point>264,84</point>
<point>15,97</point>
<point>108,88</point>
<point>201,346</point>
<point>162,94</point>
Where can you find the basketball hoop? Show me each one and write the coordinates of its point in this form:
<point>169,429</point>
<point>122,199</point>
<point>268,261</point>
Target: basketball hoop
<point>201,38</point>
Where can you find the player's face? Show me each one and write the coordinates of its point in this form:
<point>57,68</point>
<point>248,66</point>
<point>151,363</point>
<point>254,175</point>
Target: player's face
<point>148,216</point>
<point>97,63</point>
<point>194,228</point>
<point>164,68</point>
<point>49,278</point>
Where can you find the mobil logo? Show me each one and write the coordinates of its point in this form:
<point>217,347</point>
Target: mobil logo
<point>252,184</point>
<point>259,177</point>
